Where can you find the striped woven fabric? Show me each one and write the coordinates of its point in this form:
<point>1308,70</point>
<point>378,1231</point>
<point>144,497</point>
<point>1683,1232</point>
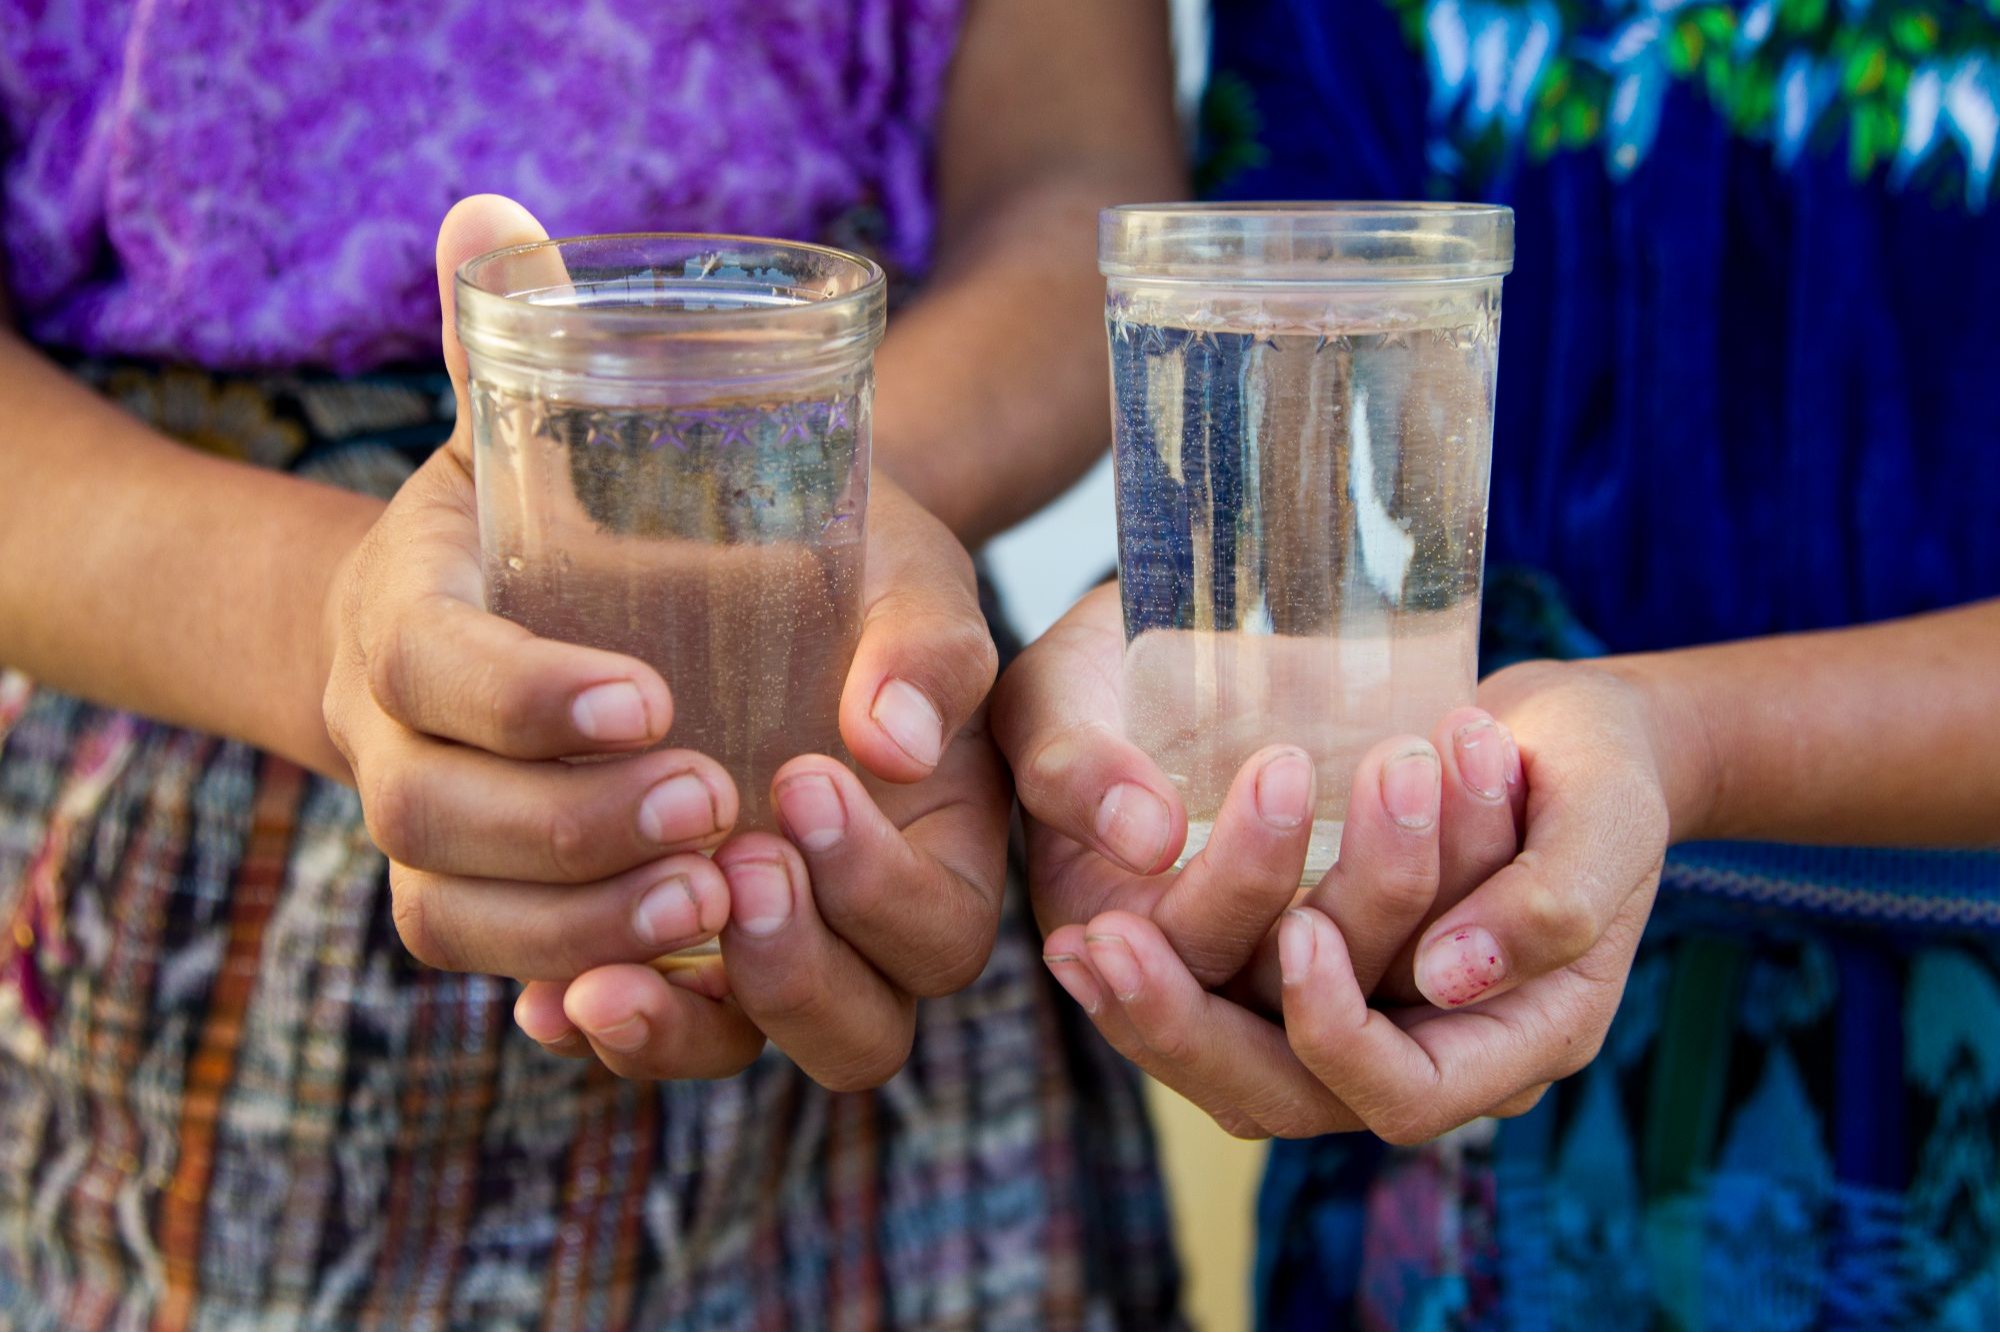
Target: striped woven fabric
<point>229,1098</point>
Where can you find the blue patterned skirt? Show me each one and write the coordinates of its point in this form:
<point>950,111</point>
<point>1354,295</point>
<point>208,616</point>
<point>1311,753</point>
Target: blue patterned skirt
<point>1795,1121</point>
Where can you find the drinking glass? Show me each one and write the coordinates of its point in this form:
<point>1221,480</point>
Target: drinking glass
<point>670,446</point>
<point>1303,426</point>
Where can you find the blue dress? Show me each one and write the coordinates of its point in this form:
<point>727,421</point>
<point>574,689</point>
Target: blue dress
<point>1747,386</point>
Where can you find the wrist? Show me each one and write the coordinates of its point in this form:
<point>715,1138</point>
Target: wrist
<point>315,587</point>
<point>1682,735</point>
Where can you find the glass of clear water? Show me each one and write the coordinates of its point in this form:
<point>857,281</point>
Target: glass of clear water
<point>670,445</point>
<point>1303,426</point>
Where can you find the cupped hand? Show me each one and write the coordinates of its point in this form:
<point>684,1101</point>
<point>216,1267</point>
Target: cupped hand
<point>1520,958</point>
<point>455,723</point>
<point>1104,824</point>
<point>885,885</point>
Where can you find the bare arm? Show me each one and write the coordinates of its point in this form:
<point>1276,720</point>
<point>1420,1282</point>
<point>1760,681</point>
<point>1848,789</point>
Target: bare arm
<point>991,388</point>
<point>142,574</point>
<point>139,573</point>
<point>1884,734</point>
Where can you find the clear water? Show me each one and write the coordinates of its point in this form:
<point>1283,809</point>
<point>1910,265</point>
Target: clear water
<point>1301,521</point>
<point>720,542</point>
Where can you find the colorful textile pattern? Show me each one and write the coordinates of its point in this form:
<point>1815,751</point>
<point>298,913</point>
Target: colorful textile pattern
<point>1792,1126</point>
<point>1795,1121</point>
<point>1742,392</point>
<point>229,1098</point>
<point>1912,86</point>
<point>262,188</point>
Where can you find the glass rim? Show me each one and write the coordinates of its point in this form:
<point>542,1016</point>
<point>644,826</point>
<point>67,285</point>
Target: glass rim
<point>828,313</point>
<point>1306,242</point>
<point>873,282</point>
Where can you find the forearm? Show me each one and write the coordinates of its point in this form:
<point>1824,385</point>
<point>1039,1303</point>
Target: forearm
<point>1883,734</point>
<point>144,575</point>
<point>993,391</point>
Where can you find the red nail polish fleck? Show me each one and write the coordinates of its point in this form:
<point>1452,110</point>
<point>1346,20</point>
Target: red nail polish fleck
<point>1458,970</point>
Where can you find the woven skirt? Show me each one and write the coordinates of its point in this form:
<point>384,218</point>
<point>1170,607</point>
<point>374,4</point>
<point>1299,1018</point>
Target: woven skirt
<point>229,1098</point>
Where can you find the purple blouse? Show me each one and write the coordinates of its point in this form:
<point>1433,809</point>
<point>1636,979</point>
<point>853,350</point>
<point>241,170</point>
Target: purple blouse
<point>253,186</point>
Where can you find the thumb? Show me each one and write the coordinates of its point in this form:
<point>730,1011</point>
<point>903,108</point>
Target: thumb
<point>925,659</point>
<point>1585,857</point>
<point>475,226</point>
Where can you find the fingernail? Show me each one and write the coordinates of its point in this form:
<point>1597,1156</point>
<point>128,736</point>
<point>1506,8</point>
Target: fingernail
<point>1482,758</point>
<point>1410,788</point>
<point>813,812</point>
<point>911,720</point>
<point>1114,959</point>
<point>1296,946</point>
<point>1075,978</point>
<point>627,1036</point>
<point>1513,759</point>
<point>678,809</point>
<point>1132,822</point>
<point>1285,790</point>
<point>1460,967</point>
<point>667,913</point>
<point>611,712</point>
<point>760,897</point>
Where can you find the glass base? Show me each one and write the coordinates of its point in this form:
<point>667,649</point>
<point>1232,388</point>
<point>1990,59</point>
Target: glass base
<point>1321,852</point>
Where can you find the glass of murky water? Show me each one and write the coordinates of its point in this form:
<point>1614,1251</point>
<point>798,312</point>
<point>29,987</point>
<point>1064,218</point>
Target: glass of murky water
<point>670,443</point>
<point>1303,428</point>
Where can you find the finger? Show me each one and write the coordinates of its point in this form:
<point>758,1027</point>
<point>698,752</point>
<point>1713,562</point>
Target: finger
<point>474,226</point>
<point>553,932</point>
<point>818,1000</point>
<point>1482,801</point>
<point>1227,897</point>
<point>457,811</point>
<point>1480,822</point>
<point>925,659</point>
<point>1386,878</point>
<point>444,667</point>
<point>1588,852</point>
<point>922,903</point>
<point>1408,1086</point>
<point>640,1026</point>
<point>1198,1039</point>
<point>1055,717</point>
<point>1067,954</point>
<point>539,1013</point>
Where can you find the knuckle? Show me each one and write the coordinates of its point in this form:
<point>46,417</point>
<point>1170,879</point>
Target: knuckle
<point>958,653</point>
<point>1559,919</point>
<point>1407,1121</point>
<point>1044,776</point>
<point>393,807</point>
<point>1311,1036</point>
<point>873,1067</point>
<point>1405,1130</point>
<point>954,967</point>
<point>1406,889</point>
<point>417,926</point>
<point>570,843</point>
<point>1240,1126</point>
<point>1172,1042</point>
<point>390,664</point>
<point>855,902</point>
<point>788,997</point>
<point>1579,1054</point>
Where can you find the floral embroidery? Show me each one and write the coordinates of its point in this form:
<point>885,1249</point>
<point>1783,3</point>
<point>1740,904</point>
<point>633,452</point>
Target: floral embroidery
<point>1912,86</point>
